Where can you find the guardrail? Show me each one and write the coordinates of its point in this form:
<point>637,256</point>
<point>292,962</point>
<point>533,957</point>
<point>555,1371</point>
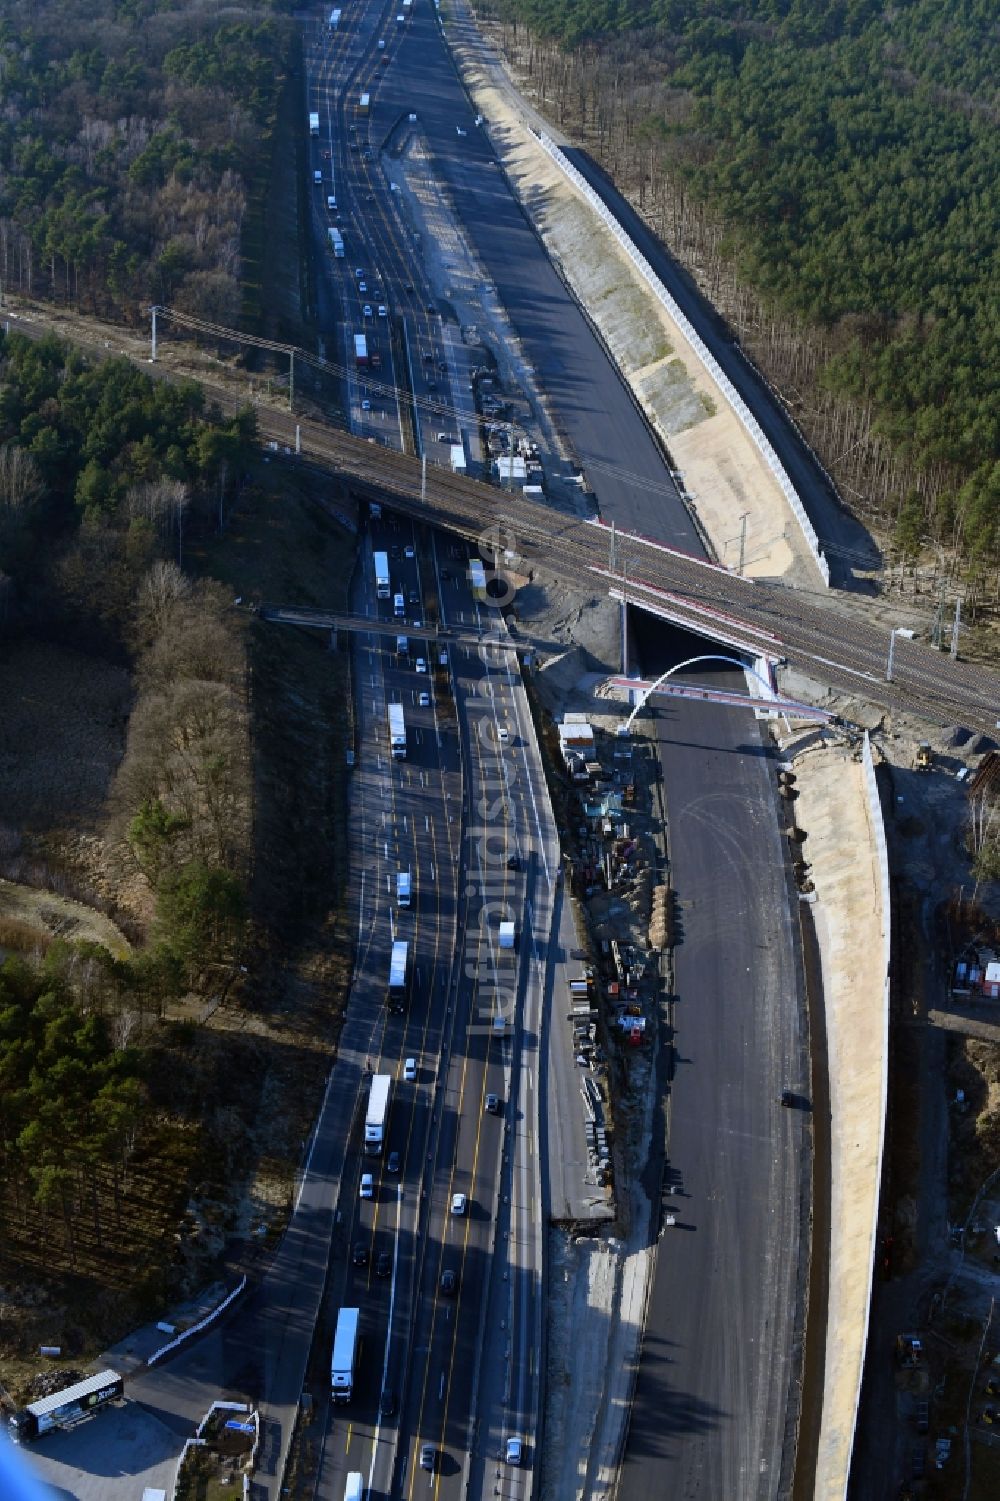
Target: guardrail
<point>712,367</point>
<point>882,858</point>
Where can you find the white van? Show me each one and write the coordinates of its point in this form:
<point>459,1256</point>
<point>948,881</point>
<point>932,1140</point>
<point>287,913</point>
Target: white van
<point>398,604</point>
<point>331,202</point>
<point>355,1487</point>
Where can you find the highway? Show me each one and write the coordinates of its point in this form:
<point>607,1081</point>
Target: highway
<point>463,802</point>
<point>715,1398</point>
<point>712,1395</point>
<point>627,472</point>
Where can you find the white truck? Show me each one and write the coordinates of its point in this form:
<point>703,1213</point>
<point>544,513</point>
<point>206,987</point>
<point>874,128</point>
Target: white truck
<point>377,1114</point>
<point>360,349</point>
<point>397,732</point>
<point>345,1349</point>
<point>404,888</point>
<point>334,19</point>
<point>396,995</point>
<point>314,122</point>
<point>336,243</point>
<point>383,588</point>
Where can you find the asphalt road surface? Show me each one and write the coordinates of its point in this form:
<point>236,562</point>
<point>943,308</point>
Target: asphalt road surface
<point>718,1372</point>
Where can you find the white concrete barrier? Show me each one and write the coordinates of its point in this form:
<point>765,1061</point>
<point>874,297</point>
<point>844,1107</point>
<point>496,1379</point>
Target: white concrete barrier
<point>882,857</point>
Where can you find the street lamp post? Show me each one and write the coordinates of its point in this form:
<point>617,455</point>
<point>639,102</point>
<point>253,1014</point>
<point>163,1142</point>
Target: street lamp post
<point>892,653</point>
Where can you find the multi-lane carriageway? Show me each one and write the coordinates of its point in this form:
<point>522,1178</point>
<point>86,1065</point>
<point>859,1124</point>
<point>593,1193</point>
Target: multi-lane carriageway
<point>826,636</point>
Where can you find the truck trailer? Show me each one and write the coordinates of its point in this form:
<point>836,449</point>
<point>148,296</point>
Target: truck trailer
<point>377,1115</point>
<point>383,588</point>
<point>334,20</point>
<point>345,1350</point>
<point>314,122</point>
<point>361,349</point>
<point>397,732</point>
<point>65,1407</point>
<point>396,994</point>
<point>336,243</point>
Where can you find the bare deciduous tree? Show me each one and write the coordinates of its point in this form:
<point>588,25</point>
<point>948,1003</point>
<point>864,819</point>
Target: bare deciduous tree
<point>159,591</point>
<point>21,484</point>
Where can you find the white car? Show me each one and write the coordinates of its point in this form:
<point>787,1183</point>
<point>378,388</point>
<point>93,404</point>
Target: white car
<point>410,1070</point>
<point>503,735</point>
<point>331,202</point>
<point>408,550</point>
<point>317,178</point>
<point>362,287</point>
<point>513,1451</point>
<point>382,310</point>
<point>421,664</point>
<point>442,658</point>
<point>425,700</point>
<point>459,1203</point>
<point>359,273</point>
<point>367,310</point>
<point>367,1186</point>
<point>366,405</point>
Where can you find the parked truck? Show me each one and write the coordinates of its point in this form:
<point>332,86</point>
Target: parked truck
<point>397,732</point>
<point>396,995</point>
<point>314,122</point>
<point>383,588</point>
<point>377,1116</point>
<point>345,1351</point>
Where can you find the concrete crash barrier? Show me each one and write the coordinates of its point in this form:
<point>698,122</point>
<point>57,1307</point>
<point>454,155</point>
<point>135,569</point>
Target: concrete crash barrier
<point>204,1323</point>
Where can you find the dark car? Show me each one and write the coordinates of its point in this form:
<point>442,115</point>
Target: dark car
<point>387,1405</point>
<point>430,307</point>
<point>360,1254</point>
<point>443,366</point>
<point>383,1266</point>
<point>449,1282</point>
<point>513,862</point>
<point>428,359</point>
<point>392,1163</point>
